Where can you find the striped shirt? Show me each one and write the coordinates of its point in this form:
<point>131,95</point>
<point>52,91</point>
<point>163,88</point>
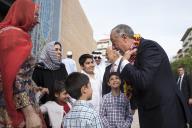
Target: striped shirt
<point>115,111</point>
<point>82,115</point>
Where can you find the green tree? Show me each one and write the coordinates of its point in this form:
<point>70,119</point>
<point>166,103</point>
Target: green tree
<point>186,61</point>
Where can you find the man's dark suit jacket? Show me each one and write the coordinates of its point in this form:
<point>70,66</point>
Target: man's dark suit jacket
<point>105,87</point>
<point>160,104</point>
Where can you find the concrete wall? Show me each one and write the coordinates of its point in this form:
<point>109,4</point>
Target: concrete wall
<point>76,32</point>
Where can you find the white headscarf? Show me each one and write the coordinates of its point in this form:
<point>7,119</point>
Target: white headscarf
<point>49,58</point>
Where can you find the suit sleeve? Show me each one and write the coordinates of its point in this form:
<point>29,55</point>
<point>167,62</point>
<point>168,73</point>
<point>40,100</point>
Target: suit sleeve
<point>148,62</point>
<point>189,83</point>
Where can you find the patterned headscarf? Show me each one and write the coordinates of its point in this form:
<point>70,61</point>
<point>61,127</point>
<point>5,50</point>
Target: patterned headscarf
<point>49,58</point>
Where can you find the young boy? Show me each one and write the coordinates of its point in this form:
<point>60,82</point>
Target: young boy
<point>115,108</point>
<point>88,68</point>
<point>82,114</point>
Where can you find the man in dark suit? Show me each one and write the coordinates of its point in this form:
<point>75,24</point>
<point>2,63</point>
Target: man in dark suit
<point>114,58</point>
<point>184,85</point>
<point>160,104</point>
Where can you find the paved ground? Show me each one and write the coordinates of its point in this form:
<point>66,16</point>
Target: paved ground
<point>135,123</point>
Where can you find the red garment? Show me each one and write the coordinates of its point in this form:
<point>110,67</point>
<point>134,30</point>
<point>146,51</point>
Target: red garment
<point>66,106</point>
<point>15,47</point>
<point>21,14</point>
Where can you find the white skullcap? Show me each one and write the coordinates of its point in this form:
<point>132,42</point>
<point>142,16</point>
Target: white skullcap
<point>69,53</point>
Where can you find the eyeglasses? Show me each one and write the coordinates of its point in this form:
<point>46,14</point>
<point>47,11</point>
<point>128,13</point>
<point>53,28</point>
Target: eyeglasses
<point>97,57</point>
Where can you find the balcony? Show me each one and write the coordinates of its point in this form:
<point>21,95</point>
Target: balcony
<point>186,50</point>
<point>190,39</point>
<point>185,44</point>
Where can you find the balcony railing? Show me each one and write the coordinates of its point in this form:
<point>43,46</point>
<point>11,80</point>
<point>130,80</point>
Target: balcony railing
<point>185,44</point>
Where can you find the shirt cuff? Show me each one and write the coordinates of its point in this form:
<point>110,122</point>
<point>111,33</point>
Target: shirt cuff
<point>123,64</point>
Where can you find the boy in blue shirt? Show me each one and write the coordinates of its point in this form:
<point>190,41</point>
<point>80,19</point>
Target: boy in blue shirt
<point>115,110</point>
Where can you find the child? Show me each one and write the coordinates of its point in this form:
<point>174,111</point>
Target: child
<point>115,108</point>
<point>82,115</point>
<point>88,68</point>
<point>59,105</point>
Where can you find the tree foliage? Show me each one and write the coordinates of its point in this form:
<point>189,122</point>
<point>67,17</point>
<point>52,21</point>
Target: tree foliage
<point>185,61</point>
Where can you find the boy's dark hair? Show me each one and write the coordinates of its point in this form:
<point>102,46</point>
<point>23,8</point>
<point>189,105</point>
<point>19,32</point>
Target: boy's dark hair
<point>113,73</point>
<point>58,43</point>
<point>74,82</point>
<point>59,86</point>
<point>83,58</point>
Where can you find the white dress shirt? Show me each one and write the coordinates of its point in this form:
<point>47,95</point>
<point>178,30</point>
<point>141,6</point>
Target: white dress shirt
<point>96,85</point>
<point>115,65</point>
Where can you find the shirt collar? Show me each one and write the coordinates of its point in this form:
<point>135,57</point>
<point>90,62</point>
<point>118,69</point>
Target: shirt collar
<point>118,60</point>
<point>83,102</point>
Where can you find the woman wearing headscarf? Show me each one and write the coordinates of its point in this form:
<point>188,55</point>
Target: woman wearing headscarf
<point>16,64</point>
<point>49,68</point>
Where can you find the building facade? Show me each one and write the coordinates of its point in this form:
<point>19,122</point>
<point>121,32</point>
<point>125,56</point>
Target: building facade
<point>76,32</point>
<point>186,45</point>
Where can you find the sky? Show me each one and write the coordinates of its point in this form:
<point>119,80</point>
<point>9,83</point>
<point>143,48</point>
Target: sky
<point>164,21</point>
